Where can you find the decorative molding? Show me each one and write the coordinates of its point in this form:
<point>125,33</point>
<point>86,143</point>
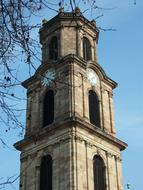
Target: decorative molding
<point>47,148</point>
<point>33,155</point>
<point>56,144</point>
<point>110,155</point>
<point>63,140</point>
<point>24,158</point>
<point>78,138</point>
<point>118,158</point>
<point>103,90</point>
<point>110,94</point>
<point>37,167</point>
<point>87,143</point>
<point>98,151</point>
<point>94,38</point>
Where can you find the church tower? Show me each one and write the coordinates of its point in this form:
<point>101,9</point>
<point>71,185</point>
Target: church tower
<point>70,141</point>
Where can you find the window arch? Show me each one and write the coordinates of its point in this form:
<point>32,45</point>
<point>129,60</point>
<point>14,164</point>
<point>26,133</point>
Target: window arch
<point>48,108</point>
<point>99,173</point>
<point>53,48</point>
<point>46,173</point>
<point>86,49</point>
<point>94,111</point>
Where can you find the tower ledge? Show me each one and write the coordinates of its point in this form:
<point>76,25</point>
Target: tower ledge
<point>70,58</point>
<point>73,122</point>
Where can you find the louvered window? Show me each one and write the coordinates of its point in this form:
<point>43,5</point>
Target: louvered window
<point>86,49</point>
<point>48,108</point>
<point>53,48</point>
<point>94,112</point>
<point>46,173</point>
<point>99,173</point>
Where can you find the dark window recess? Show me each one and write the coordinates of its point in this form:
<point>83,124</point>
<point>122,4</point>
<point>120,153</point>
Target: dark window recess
<point>86,49</point>
<point>53,48</point>
<point>94,112</point>
<point>48,111</point>
<point>46,173</point>
<point>99,173</point>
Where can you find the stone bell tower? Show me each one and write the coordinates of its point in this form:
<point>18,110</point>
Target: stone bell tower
<point>70,141</point>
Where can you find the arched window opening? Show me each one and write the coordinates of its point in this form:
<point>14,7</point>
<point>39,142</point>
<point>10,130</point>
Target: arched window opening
<point>53,48</point>
<point>86,49</point>
<point>94,111</point>
<point>48,108</point>
<point>46,173</point>
<point>99,173</point>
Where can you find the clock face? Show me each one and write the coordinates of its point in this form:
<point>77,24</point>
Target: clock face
<point>48,77</point>
<point>92,76</point>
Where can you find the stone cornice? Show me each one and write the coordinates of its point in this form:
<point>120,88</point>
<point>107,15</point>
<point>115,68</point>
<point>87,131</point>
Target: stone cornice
<point>71,122</point>
<point>70,58</point>
<point>100,133</point>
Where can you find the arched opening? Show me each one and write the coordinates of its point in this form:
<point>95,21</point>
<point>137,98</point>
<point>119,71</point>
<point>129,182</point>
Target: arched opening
<point>48,108</point>
<point>46,173</point>
<point>86,49</point>
<point>94,111</point>
<point>53,48</point>
<point>99,173</point>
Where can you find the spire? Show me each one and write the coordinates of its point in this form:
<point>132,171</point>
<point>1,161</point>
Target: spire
<point>77,11</point>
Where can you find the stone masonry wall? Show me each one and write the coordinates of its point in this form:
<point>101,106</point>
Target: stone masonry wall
<point>72,151</point>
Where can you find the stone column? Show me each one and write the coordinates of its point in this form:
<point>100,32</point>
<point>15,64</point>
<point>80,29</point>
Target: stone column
<point>61,45</point>
<point>78,41</point>
<point>111,109</point>
<point>95,50</point>
<point>23,174</point>
<point>81,165</point>
<point>102,108</point>
<point>37,177</point>
<point>107,180</point>
<point>119,172</point>
<point>112,172</point>
<point>28,115</point>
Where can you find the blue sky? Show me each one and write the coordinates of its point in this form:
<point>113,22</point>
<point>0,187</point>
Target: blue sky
<point>120,53</point>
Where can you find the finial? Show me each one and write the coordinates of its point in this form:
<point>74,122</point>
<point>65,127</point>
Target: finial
<point>44,21</point>
<point>93,22</point>
<point>61,7</point>
<point>61,10</point>
<point>77,11</point>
